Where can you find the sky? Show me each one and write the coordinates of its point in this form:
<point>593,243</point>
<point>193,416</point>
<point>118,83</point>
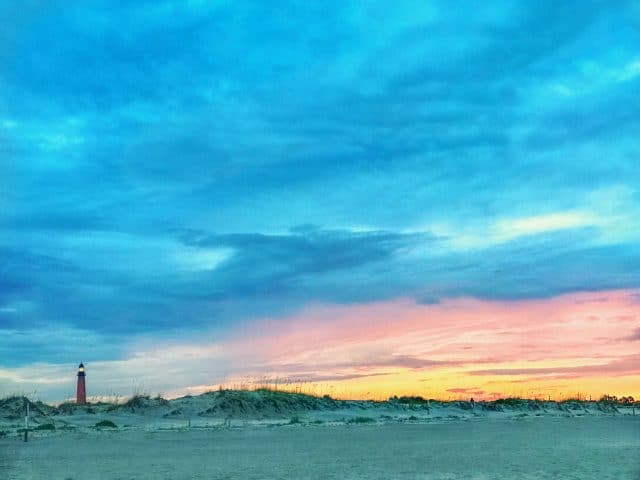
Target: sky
<point>361,199</point>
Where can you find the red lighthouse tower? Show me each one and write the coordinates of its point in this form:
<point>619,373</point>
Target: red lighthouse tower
<point>81,392</point>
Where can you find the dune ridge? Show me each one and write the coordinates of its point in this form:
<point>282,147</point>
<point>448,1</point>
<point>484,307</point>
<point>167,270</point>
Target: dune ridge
<point>272,407</point>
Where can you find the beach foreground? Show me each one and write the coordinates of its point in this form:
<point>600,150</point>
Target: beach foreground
<point>526,448</point>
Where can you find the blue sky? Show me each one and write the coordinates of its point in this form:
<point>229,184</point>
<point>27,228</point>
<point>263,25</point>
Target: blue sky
<point>173,170</point>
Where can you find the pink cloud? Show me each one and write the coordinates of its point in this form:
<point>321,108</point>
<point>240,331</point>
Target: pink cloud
<point>575,331</point>
<point>628,365</point>
<point>635,336</point>
<point>473,390</point>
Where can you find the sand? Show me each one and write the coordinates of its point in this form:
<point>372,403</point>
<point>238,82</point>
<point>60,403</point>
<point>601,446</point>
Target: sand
<point>588,447</point>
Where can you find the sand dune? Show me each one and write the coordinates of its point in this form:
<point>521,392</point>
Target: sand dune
<point>269,407</point>
<point>268,434</point>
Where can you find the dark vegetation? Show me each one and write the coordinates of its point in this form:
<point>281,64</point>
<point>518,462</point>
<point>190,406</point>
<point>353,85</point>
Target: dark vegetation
<point>613,400</point>
<point>361,420</point>
<point>264,402</point>
<point>416,400</point>
<point>143,402</point>
<point>106,424</point>
<point>12,408</point>
<point>45,426</point>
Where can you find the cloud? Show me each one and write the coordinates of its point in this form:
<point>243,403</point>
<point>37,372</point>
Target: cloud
<point>627,365</point>
<point>211,164</point>
<point>191,280</point>
<point>634,336</point>
<point>377,361</point>
<point>384,347</point>
<point>302,378</point>
<point>266,265</point>
<point>472,390</point>
<point>517,227</point>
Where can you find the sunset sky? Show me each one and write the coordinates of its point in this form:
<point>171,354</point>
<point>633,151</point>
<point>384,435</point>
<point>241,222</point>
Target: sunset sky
<point>438,198</point>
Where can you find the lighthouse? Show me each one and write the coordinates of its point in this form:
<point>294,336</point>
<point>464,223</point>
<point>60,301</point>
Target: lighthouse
<point>81,392</point>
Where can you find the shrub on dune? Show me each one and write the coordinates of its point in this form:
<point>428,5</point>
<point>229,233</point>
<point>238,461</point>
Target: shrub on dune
<point>106,424</point>
<point>361,420</point>
<point>45,426</point>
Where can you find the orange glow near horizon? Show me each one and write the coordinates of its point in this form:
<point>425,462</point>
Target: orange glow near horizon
<point>438,385</point>
<point>568,346</point>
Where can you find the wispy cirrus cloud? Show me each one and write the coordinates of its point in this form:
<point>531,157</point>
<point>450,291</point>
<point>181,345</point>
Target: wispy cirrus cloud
<point>465,390</point>
<point>627,365</point>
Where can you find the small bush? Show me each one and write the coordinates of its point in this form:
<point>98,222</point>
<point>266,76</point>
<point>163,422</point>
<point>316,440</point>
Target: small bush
<point>173,413</point>
<point>613,400</point>
<point>608,399</point>
<point>294,420</point>
<point>416,400</point>
<point>361,420</point>
<point>106,424</point>
<point>511,402</point>
<point>45,426</point>
<point>137,401</point>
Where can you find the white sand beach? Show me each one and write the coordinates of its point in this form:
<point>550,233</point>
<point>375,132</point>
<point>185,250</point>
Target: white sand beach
<point>533,448</point>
